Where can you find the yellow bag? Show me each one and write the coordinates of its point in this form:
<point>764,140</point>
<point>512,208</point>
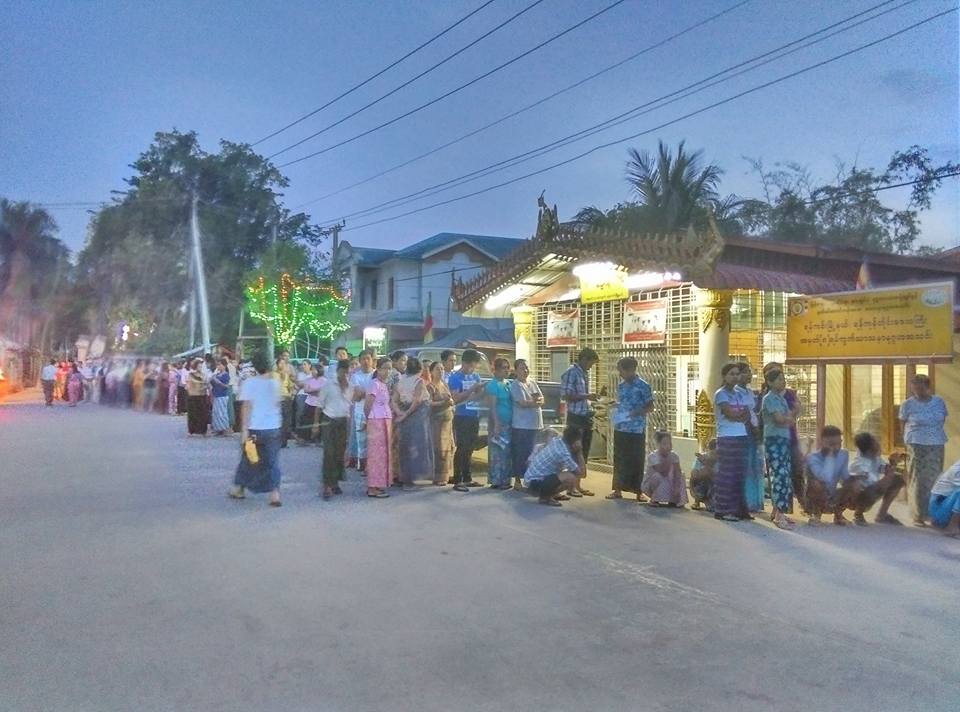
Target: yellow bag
<point>250,450</point>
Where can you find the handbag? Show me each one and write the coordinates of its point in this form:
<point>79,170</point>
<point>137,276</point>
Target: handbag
<point>250,451</point>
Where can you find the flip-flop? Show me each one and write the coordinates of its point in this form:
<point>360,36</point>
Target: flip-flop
<point>550,503</point>
<point>586,493</point>
<point>232,495</point>
<point>276,503</point>
<point>574,493</point>
<point>614,495</point>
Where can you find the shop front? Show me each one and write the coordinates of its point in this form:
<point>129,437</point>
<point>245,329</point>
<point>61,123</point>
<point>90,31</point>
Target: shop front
<point>683,305</point>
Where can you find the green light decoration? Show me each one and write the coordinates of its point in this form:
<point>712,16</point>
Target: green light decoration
<point>291,307</point>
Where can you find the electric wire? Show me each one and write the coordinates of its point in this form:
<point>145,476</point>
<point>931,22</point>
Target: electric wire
<point>408,82</point>
<point>633,113</point>
<point>455,90</point>
<point>528,107</point>
<point>678,119</point>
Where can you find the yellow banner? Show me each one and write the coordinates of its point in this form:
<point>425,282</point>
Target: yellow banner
<point>890,323</point>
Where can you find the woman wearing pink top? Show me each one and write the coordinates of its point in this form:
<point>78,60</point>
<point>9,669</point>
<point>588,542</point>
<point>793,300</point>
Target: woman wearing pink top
<point>379,425</point>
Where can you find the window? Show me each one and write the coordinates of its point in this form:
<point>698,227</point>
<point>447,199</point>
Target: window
<point>373,294</point>
<point>362,291</point>
<point>391,289</point>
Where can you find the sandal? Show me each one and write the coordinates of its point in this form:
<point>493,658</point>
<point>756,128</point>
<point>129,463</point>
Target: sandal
<point>276,503</point>
<point>614,495</point>
<point>726,517</point>
<point>784,523</point>
<point>574,493</point>
<point>236,495</point>
<point>562,497</point>
<point>587,493</point>
<point>378,495</point>
<point>651,503</point>
<point>550,502</point>
<point>460,488</point>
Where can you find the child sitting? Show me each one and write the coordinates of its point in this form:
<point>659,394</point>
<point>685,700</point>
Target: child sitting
<point>873,479</point>
<point>663,479</point>
<point>701,477</point>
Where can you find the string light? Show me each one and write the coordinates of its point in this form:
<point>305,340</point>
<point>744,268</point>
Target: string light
<point>290,307</point>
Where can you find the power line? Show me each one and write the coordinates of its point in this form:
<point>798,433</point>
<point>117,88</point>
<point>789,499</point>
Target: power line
<point>688,115</point>
<point>630,114</point>
<point>410,81</point>
<point>526,108</point>
<point>851,193</point>
<point>373,76</point>
<point>456,89</point>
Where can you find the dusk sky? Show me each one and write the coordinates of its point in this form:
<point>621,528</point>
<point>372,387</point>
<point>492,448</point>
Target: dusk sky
<point>84,86</point>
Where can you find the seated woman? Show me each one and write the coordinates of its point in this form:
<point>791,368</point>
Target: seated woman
<point>945,501</point>
<point>701,477</point>
<point>873,479</point>
<point>663,479</point>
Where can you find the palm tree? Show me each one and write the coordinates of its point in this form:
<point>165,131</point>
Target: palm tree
<point>674,190</point>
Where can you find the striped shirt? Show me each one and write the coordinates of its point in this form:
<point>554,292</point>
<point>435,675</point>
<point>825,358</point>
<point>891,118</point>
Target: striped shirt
<point>552,459</point>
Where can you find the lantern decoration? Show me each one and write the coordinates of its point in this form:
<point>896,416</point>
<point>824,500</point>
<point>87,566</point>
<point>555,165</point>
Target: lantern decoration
<point>292,307</point>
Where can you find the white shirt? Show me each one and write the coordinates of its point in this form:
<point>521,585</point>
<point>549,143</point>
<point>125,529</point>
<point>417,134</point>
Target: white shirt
<point>870,468</point>
<point>48,373</point>
<point>333,401</point>
<point>948,482</point>
<point>263,395</point>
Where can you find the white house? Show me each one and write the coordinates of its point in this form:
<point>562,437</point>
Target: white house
<point>391,289</point>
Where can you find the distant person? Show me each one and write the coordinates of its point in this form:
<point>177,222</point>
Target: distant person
<point>794,404</point>
<point>360,379</point>
<point>499,427</point>
<point>441,407</point>
<point>527,419</point>
<point>308,426</point>
<point>198,407</point>
<point>556,466</point>
<point>260,420</point>
<point>629,416</point>
<point>874,479</point>
<point>148,388</point>
<point>828,486</point>
<point>944,505</point>
<point>732,412</point>
<point>663,479</point>
<point>378,424</point>
<point>923,415</point>
<point>701,477</point>
<point>341,354</point>
<point>411,407</point>
<point>335,401</point>
<point>220,395</point>
<point>449,360</point>
<point>575,390</point>
<point>753,479</point>
<point>74,385</point>
<point>777,419</point>
<point>465,388</point>
<point>48,380</point>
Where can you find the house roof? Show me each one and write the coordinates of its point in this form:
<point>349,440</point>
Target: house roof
<point>371,256</point>
<point>496,247</point>
<point>475,334</point>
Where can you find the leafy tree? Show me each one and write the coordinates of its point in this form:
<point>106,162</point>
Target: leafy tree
<point>137,257</point>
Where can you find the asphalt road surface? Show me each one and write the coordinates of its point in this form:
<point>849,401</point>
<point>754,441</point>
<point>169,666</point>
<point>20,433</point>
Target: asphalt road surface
<point>129,581</point>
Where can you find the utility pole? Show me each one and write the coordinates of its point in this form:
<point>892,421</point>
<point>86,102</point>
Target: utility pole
<point>201,280</point>
<point>273,241</point>
<point>334,232</point>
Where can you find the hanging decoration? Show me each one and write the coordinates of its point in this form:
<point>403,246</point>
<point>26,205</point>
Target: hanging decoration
<point>291,307</point>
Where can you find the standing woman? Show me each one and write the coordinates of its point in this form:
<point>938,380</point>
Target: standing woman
<point>441,416</point>
<point>308,426</point>
<point>220,391</point>
<point>378,425</point>
<point>923,415</point>
<point>173,389</point>
<point>411,407</point>
<point>733,414</point>
<point>527,419</point>
<point>197,400</point>
<point>260,421</point>
<point>753,480</point>
<point>777,419</point>
<point>794,404</point>
<point>148,388</point>
<point>136,384</point>
<point>500,409</point>
<point>75,386</point>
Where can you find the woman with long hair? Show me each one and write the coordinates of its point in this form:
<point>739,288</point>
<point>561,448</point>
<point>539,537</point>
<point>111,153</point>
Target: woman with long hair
<point>777,419</point>
<point>411,408</point>
<point>197,409</point>
<point>441,418</point>
<point>527,418</point>
<point>500,405</point>
<point>74,385</point>
<point>220,394</point>
<point>378,426</point>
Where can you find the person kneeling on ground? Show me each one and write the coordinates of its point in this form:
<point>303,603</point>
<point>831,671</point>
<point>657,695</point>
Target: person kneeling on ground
<point>556,466</point>
<point>663,478</point>
<point>873,479</point>
<point>701,477</point>
<point>828,483</point>
<point>945,501</point>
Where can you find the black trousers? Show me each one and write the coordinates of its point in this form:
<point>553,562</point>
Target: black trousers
<point>465,431</point>
<point>629,459</point>
<point>547,487</point>
<point>585,423</point>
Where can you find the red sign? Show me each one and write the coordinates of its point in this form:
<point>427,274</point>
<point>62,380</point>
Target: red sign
<point>645,322</point>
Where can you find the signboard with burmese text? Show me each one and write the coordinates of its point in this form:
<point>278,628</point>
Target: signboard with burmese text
<point>910,322</point>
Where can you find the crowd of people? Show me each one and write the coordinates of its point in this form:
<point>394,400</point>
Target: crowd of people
<point>399,420</point>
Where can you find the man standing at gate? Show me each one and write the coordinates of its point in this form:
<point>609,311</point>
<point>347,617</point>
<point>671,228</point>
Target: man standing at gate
<point>575,390</point>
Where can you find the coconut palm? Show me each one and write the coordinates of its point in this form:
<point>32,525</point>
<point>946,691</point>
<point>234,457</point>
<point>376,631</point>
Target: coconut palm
<point>674,190</point>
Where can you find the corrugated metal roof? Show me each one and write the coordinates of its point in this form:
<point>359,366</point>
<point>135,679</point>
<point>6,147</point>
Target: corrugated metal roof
<point>371,256</point>
<point>498,247</point>
<point>727,276</point>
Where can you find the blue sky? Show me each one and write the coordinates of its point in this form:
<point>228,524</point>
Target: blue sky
<point>84,85</point>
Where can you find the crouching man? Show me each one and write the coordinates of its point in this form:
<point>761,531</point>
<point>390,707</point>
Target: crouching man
<point>829,487</point>
<point>556,466</point>
<point>873,479</point>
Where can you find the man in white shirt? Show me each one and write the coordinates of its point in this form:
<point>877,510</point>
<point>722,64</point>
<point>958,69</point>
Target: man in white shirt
<point>336,401</point>
<point>828,484</point>
<point>874,479</point>
<point>48,378</point>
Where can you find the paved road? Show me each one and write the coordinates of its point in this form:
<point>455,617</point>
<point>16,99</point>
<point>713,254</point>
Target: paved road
<point>130,582</point>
